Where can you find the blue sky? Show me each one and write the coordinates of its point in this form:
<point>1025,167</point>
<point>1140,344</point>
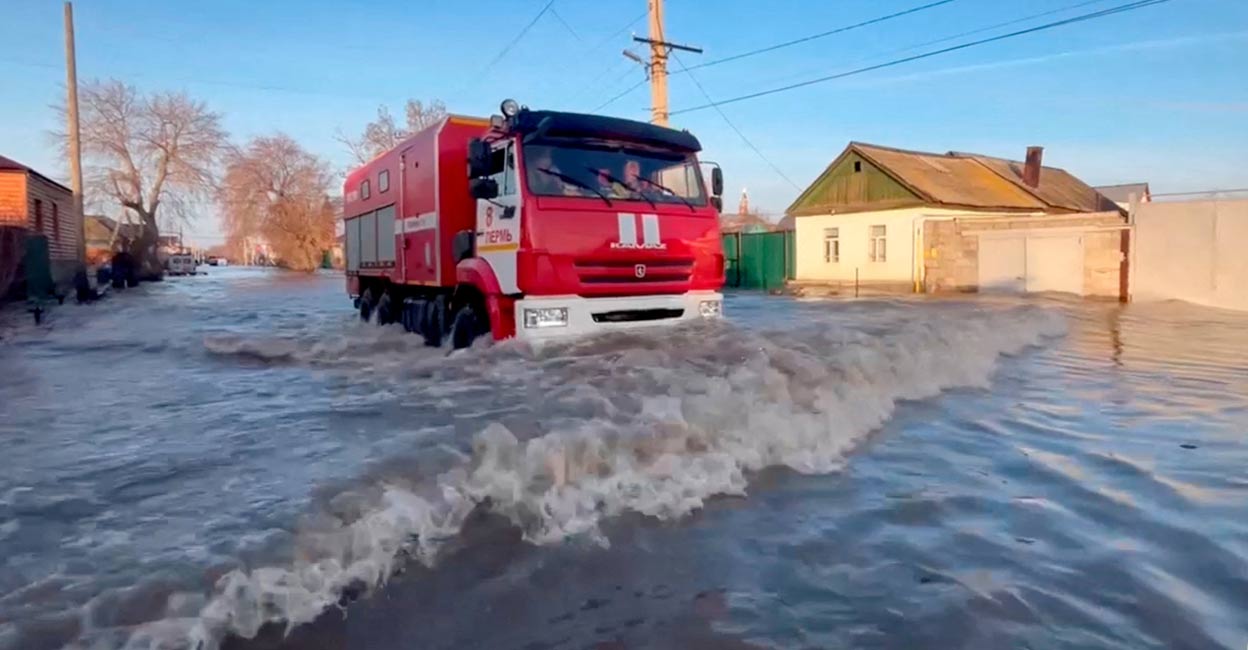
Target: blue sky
<point>1158,95</point>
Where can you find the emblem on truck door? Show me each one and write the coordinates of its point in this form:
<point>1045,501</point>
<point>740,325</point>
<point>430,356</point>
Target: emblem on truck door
<point>639,271</point>
<point>650,237</point>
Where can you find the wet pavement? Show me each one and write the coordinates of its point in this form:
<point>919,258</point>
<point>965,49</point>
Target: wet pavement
<point>205,460</point>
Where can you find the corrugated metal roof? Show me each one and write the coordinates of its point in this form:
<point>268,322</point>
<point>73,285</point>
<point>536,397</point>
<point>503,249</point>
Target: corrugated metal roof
<point>949,179</point>
<point>1057,188</point>
<point>968,180</point>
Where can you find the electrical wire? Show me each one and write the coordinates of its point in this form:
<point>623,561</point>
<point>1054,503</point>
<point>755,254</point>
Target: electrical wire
<point>618,96</point>
<point>507,48</point>
<point>812,37</point>
<point>732,126</point>
<point>1139,4</point>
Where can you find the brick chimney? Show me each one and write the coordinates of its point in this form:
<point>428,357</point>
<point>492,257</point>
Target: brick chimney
<point>1031,168</point>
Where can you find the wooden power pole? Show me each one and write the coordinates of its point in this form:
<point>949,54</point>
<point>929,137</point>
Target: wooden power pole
<point>660,48</point>
<point>74,131</point>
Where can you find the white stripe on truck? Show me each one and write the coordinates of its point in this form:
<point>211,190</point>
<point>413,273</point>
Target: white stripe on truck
<point>426,221</point>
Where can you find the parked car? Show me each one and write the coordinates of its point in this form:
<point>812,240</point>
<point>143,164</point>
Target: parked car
<point>181,264</point>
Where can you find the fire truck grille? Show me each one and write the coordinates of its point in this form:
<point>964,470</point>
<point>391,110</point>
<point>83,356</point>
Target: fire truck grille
<point>637,315</point>
<point>664,271</point>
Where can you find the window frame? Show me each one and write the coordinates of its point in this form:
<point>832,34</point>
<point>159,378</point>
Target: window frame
<point>366,189</point>
<point>877,245</point>
<point>39,216</point>
<point>56,221</point>
<point>383,181</point>
<point>832,254</point>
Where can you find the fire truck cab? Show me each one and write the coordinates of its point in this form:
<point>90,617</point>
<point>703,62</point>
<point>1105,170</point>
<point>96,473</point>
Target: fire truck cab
<point>535,224</point>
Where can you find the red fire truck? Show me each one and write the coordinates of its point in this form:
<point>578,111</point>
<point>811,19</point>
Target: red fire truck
<point>534,224</point>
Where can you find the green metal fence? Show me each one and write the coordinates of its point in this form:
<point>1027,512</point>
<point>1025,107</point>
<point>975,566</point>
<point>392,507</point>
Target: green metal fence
<point>761,260</point>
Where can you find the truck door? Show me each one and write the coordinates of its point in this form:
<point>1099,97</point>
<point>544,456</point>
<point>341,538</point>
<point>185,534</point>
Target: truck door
<point>498,219</point>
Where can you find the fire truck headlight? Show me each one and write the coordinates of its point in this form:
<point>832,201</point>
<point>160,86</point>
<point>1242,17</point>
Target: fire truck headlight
<point>546,317</point>
<point>711,308</point>
<point>509,107</point>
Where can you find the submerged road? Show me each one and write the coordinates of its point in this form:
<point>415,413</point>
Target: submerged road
<point>186,462</point>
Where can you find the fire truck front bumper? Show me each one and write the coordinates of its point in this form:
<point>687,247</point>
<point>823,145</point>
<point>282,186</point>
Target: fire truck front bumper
<point>549,317</point>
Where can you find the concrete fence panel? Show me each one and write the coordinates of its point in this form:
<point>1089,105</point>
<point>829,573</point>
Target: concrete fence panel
<point>1193,251</point>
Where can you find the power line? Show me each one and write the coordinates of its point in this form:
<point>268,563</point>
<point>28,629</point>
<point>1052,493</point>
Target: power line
<point>1007,23</point>
<point>559,17</point>
<point>619,31</point>
<point>732,126</point>
<point>1139,4</point>
<point>952,37</point>
<point>618,96</point>
<point>507,48</point>
<point>812,37</point>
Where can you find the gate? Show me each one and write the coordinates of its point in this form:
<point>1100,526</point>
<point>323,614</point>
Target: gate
<point>761,260</point>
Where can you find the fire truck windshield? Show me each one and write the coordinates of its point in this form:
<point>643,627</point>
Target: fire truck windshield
<point>615,173</point>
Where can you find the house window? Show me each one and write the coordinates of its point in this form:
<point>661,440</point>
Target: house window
<point>365,190</point>
<point>832,245</point>
<point>38,216</point>
<point>383,181</point>
<point>56,222</point>
<point>877,247</point>
<point>857,166</point>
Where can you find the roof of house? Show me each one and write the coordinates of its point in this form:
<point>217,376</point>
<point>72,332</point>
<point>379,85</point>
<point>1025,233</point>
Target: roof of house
<point>1122,193</point>
<point>967,180</point>
<point>8,164</point>
<point>100,229</point>
<point>743,223</point>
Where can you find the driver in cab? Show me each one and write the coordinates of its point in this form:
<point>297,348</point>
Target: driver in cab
<point>550,182</point>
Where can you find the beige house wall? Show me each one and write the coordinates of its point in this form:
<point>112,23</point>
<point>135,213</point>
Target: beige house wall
<point>904,227</point>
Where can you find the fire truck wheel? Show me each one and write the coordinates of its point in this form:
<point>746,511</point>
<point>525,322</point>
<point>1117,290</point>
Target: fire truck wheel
<point>435,314</point>
<point>465,328</point>
<point>385,315</point>
<point>366,305</point>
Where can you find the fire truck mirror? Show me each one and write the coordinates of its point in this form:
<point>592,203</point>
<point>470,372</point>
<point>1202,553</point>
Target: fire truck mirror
<point>717,203</point>
<point>717,181</point>
<point>483,188</point>
<point>478,158</point>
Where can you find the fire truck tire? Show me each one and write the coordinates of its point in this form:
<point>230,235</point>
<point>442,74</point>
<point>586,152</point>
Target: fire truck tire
<point>465,328</point>
<point>432,324</point>
<point>405,315</point>
<point>366,305</point>
<point>385,315</point>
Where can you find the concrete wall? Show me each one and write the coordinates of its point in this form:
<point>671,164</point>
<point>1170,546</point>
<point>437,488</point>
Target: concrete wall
<point>1192,250</point>
<point>951,248</point>
<point>903,226</point>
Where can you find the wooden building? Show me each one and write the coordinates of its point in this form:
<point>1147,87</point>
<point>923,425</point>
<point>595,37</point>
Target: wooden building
<point>39,205</point>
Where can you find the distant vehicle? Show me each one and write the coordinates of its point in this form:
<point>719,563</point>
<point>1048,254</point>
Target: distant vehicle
<point>563,223</point>
<point>218,261</point>
<point>181,264</point>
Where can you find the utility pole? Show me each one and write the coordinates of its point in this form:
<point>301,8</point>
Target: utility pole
<point>660,48</point>
<point>74,131</point>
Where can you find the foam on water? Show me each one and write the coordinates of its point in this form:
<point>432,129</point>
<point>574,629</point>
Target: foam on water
<point>652,423</point>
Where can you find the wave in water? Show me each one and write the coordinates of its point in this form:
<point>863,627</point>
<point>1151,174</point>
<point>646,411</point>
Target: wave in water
<point>654,423</point>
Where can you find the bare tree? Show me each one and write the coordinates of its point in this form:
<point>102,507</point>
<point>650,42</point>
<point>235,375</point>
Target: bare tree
<point>151,154</point>
<point>382,134</point>
<point>274,189</point>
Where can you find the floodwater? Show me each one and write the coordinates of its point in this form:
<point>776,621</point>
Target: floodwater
<point>234,461</point>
